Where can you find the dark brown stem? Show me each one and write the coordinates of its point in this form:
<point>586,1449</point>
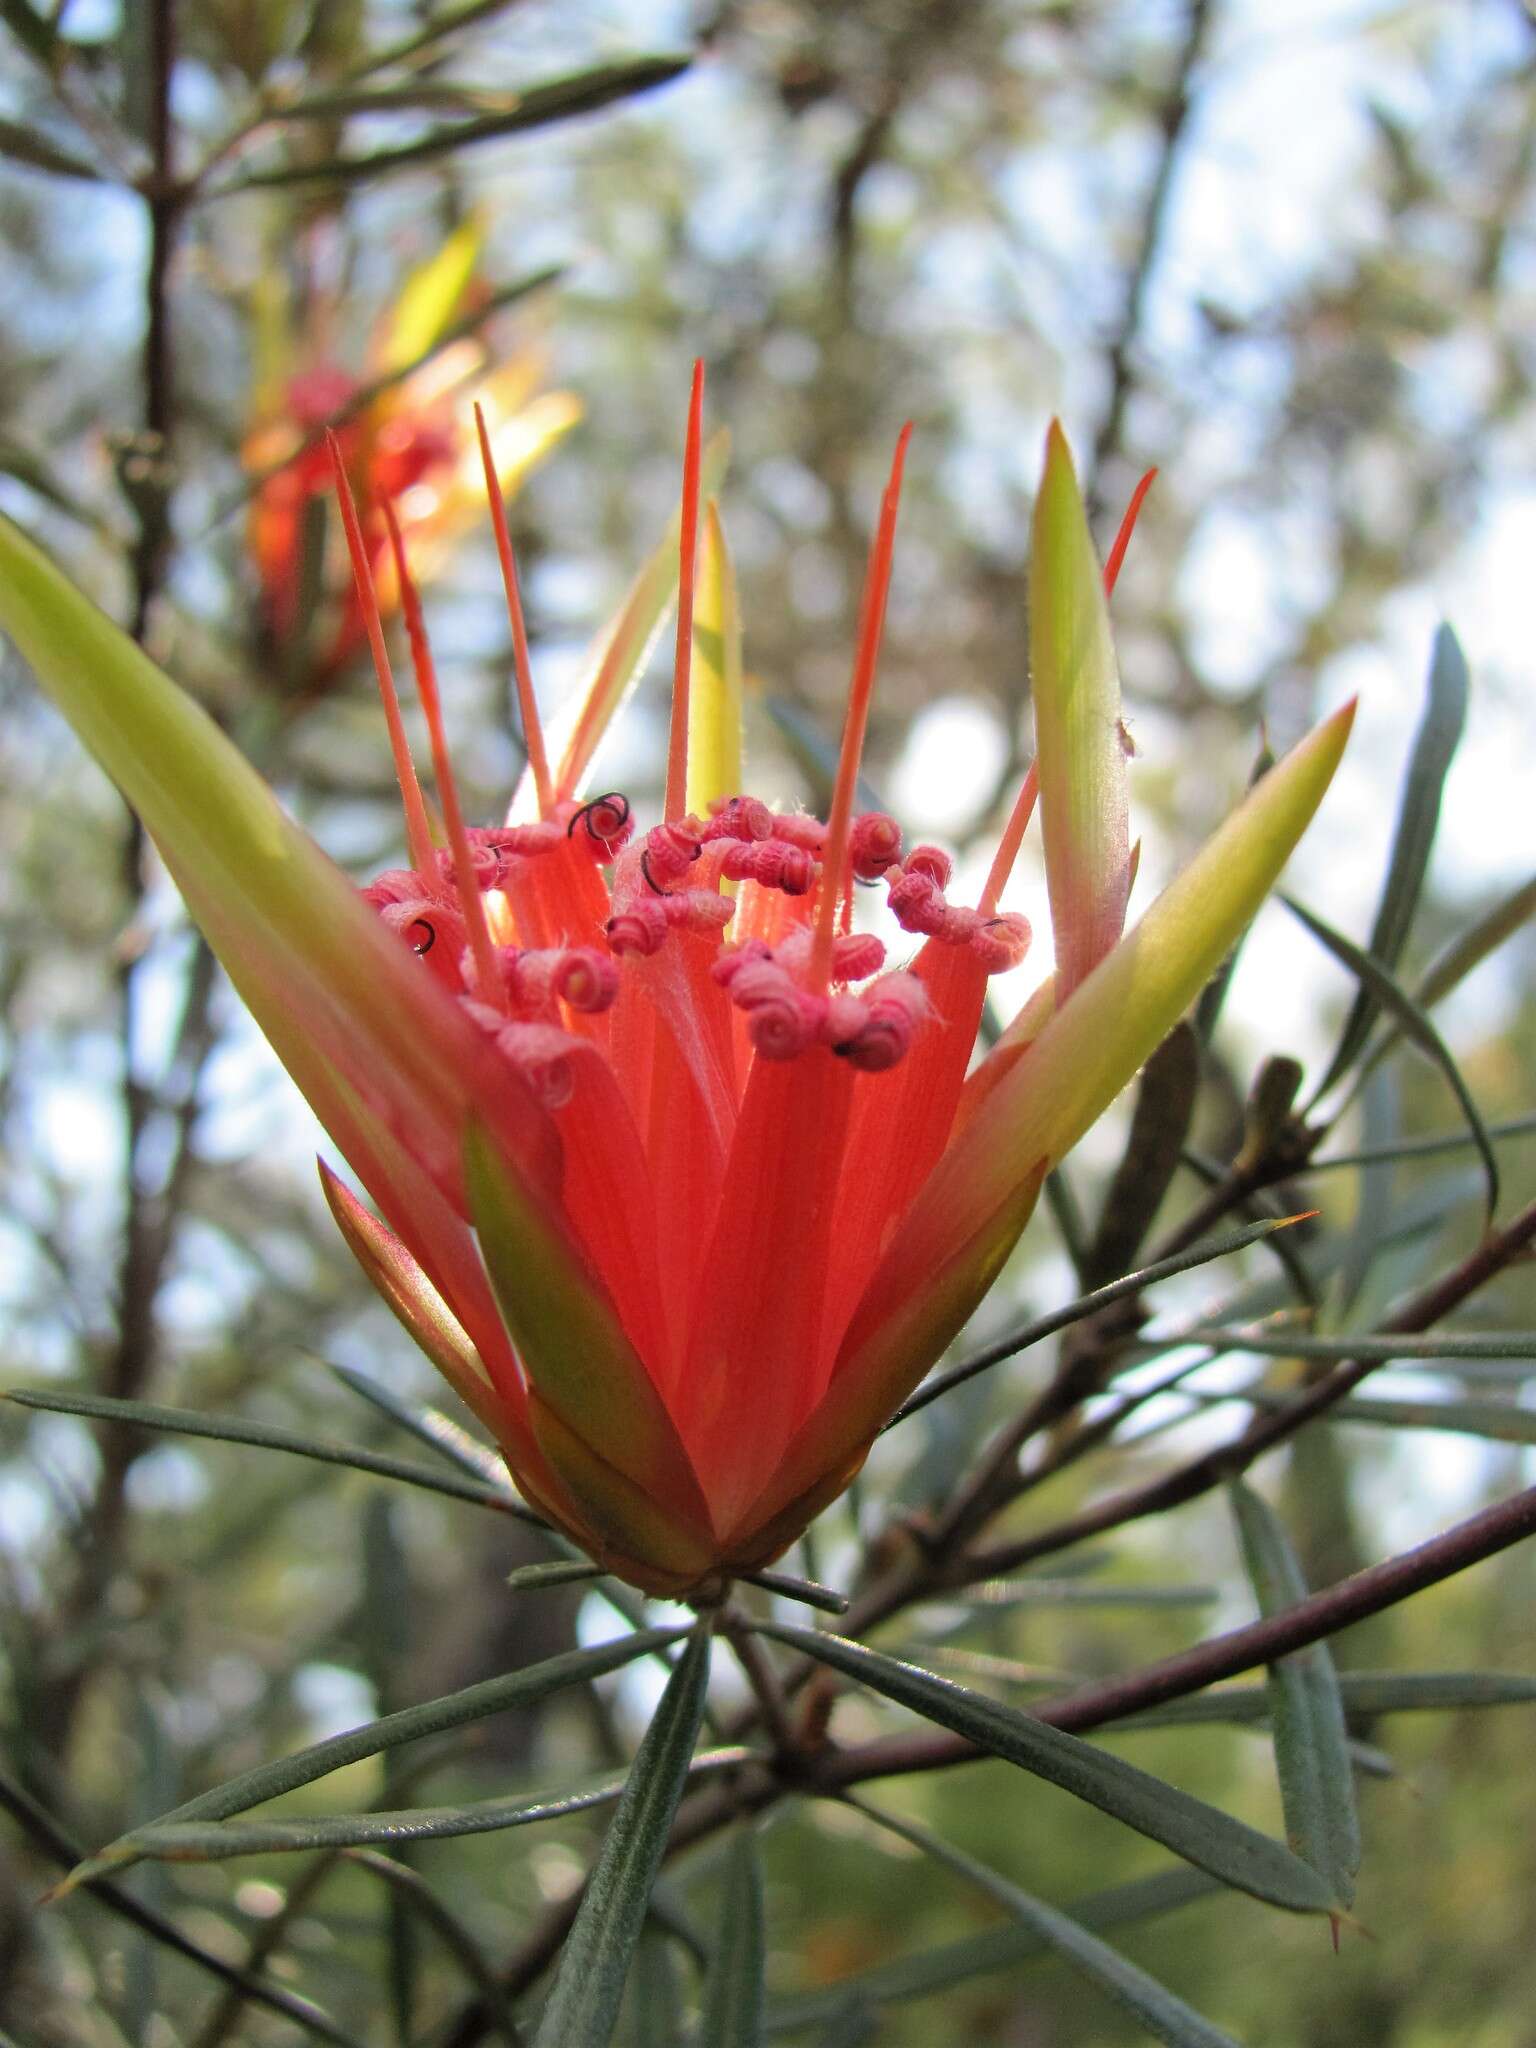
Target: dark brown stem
<point>1261,1642</point>
<point>149,1214</point>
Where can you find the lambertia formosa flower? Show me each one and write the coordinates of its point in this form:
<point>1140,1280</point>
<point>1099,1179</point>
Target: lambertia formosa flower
<point>406,439</point>
<point>684,1186</point>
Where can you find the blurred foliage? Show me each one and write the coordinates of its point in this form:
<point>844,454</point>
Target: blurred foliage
<point>970,215</point>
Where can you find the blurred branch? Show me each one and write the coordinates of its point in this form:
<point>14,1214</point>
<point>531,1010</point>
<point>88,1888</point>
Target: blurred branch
<point>1123,344</point>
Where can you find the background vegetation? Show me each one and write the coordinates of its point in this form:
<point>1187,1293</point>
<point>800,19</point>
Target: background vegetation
<point>1286,255</point>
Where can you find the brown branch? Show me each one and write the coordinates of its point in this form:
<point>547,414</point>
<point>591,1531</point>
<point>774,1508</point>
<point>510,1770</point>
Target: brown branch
<point>1261,1642</point>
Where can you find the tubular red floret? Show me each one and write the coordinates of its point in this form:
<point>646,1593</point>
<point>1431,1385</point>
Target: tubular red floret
<point>931,861</point>
<point>856,956</point>
<point>800,829</point>
<point>435,931</point>
<point>640,927</point>
<point>917,904</point>
<point>585,979</point>
<point>601,827</point>
<point>897,1005</point>
<point>670,850</point>
<point>874,844</point>
<point>740,817</point>
<point>541,1054</point>
<point>1001,942</point>
<point>771,863</point>
<point>699,910</point>
<point>397,885</point>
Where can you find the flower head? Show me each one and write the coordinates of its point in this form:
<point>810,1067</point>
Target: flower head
<point>684,1183</point>
<point>404,438</point>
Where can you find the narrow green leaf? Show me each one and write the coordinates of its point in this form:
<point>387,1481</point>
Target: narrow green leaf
<point>993,1594</point>
<point>733,1991</point>
<point>1432,1344</point>
<point>433,1717</point>
<point>1164,2016</point>
<point>26,146</point>
<point>1363,1692</point>
<point>804,1590</point>
<point>425,95</point>
<point>1389,995</point>
<point>1317,1780</point>
<point>1423,1148</point>
<point>267,1436</point>
<point>559,99</point>
<point>1239,1855</point>
<point>1418,815</point>
<point>815,754</point>
<point>953,1963</point>
<point>1041,1327</point>
<point>423,42</point>
<point>584,2005</point>
<point>1498,1421</point>
<point>216,1841</point>
<point>534,1578</point>
<point>1470,948</point>
<point>428,1425</point>
<point>1031,1107</point>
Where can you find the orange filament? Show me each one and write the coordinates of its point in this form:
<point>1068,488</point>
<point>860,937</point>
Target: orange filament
<point>682,670</point>
<point>480,942</point>
<point>872,619</point>
<point>1127,528</point>
<point>1012,839</point>
<point>418,833</point>
<point>533,730</point>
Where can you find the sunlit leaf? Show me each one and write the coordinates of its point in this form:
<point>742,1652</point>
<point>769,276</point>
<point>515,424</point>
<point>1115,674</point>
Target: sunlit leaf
<point>430,297</point>
<point>1366,1693</point>
<point>1165,2017</point>
<point>714,696</point>
<point>1317,1782</point>
<point>584,2005</point>
<point>1080,738</point>
<point>1389,995</point>
<point>1434,746</point>
<point>1239,1855</point>
<point>523,1688</point>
